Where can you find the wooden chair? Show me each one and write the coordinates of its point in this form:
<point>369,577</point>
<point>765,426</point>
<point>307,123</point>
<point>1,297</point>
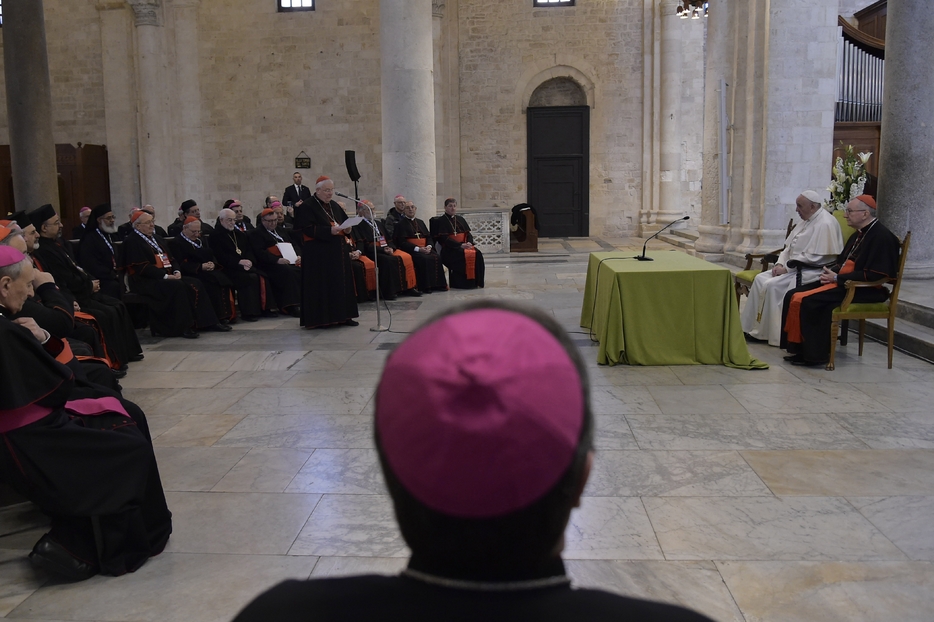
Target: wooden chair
<point>742,281</point>
<point>862,311</point>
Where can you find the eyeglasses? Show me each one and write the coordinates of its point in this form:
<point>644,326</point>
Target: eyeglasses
<point>270,219</point>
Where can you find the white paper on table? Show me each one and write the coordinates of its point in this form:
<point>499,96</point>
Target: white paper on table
<point>350,222</point>
<point>288,252</point>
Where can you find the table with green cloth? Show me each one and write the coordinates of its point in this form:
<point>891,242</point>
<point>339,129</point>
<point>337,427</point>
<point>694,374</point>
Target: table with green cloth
<point>675,310</point>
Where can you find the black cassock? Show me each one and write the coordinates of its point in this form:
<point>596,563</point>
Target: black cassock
<point>391,269</point>
<point>451,233</point>
<point>253,292</point>
<point>95,475</point>
<point>874,251</point>
<point>373,597</point>
<point>328,295</point>
<point>111,315</point>
<point>175,305</point>
<point>410,233</point>
<point>286,279</point>
<point>97,255</point>
<point>220,289</point>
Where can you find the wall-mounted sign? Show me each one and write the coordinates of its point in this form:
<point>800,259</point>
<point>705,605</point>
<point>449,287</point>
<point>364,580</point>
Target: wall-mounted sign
<point>302,160</point>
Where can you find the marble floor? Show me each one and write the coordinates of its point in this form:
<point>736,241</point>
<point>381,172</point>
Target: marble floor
<point>779,494</point>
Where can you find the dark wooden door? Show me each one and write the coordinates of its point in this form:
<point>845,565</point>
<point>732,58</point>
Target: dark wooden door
<point>559,161</point>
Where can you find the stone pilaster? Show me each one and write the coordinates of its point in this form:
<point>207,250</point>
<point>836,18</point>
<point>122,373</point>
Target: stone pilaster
<point>29,104</point>
<point>906,168</point>
<point>155,179</point>
<point>407,103</point>
<point>120,102</point>
<point>188,135</point>
<point>670,160</point>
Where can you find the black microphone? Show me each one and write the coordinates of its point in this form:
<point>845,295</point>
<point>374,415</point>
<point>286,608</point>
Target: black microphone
<point>344,196</point>
<point>642,257</point>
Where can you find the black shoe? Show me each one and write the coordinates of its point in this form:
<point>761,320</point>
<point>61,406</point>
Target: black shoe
<point>792,358</point>
<point>220,328</point>
<point>392,297</point>
<point>118,373</point>
<point>250,318</point>
<point>269,314</point>
<point>53,557</point>
<point>190,334</point>
<point>352,323</point>
<point>806,363</point>
<point>136,358</point>
<point>412,292</point>
<point>295,311</point>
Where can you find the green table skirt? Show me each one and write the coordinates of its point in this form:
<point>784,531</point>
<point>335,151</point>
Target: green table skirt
<point>675,310</point>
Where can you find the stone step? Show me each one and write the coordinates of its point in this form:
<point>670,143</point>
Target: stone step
<point>688,234</point>
<point>675,240</point>
<point>911,338</point>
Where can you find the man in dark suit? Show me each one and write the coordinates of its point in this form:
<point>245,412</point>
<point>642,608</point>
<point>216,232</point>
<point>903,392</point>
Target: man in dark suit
<point>296,194</point>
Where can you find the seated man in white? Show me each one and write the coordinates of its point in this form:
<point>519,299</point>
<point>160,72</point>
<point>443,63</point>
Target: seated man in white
<point>816,241</point>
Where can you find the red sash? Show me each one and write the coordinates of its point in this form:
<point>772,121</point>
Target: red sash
<point>410,280</point>
<point>90,320</point>
<point>793,321</point>
<point>369,269</point>
<point>419,242</point>
<point>470,256</point>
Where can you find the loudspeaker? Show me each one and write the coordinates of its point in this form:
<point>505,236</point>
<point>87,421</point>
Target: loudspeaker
<point>350,159</point>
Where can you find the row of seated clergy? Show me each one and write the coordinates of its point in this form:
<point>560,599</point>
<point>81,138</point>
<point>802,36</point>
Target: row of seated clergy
<point>109,515</point>
<point>55,313</point>
<point>396,268</point>
<point>179,305</point>
<point>108,314</point>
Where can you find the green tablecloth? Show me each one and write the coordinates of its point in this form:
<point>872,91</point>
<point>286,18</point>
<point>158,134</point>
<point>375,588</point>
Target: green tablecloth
<point>675,310</point>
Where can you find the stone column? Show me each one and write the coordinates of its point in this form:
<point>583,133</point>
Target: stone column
<point>719,53</point>
<point>669,190</point>
<point>906,166</point>
<point>438,45</point>
<point>120,101</point>
<point>155,181</point>
<point>407,94</point>
<point>29,104</point>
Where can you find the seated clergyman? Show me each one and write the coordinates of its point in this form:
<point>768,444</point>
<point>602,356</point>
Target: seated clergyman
<point>462,258</point>
<point>485,453</point>
<point>816,241</point>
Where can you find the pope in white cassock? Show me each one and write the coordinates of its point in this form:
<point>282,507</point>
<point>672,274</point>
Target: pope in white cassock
<point>817,240</point>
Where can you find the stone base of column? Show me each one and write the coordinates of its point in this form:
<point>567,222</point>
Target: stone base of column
<point>918,271</point>
<point>712,239</point>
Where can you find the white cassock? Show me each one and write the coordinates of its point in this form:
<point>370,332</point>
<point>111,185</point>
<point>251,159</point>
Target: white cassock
<point>817,241</point>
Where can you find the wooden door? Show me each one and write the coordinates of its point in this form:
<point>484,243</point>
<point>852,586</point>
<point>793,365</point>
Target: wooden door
<point>559,161</point>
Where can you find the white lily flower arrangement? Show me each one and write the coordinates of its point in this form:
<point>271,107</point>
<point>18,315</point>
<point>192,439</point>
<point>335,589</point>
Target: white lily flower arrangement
<point>849,178</point>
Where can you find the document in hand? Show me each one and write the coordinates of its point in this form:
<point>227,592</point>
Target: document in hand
<point>288,252</point>
<point>350,222</point>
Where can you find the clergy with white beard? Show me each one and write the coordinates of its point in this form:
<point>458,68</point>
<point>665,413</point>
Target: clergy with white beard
<point>97,252</point>
<point>816,241</point>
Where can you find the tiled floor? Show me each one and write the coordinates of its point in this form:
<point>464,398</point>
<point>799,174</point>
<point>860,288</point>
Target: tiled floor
<point>783,494</point>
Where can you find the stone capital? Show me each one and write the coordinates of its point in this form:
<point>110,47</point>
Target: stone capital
<point>437,9</point>
<point>147,12</point>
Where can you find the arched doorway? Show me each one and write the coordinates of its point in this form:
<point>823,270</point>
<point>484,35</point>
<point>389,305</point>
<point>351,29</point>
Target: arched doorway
<point>559,158</point>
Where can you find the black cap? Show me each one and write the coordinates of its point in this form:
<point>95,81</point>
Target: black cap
<point>187,205</point>
<point>39,216</point>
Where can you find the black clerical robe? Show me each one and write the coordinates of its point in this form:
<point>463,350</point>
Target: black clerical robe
<point>465,266</point>
<point>286,279</point>
<point>873,251</point>
<point>78,231</point>
<point>175,229</point>
<point>392,262</point>
<point>412,233</point>
<point>97,254</point>
<point>191,256</point>
<point>81,453</point>
<point>254,294</point>
<point>111,315</point>
<point>291,196</point>
<point>328,295</point>
<point>175,305</point>
<point>428,597</point>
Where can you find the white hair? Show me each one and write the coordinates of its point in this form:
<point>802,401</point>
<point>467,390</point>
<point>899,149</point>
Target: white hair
<point>322,182</point>
<point>226,213</point>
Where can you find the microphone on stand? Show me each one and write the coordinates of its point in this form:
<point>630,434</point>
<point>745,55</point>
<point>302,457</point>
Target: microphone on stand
<point>344,196</point>
<point>642,257</point>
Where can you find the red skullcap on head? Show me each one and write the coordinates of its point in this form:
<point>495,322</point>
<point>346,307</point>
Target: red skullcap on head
<point>266,212</point>
<point>275,204</point>
<point>190,220</point>
<point>4,231</point>
<point>397,197</point>
<point>488,431</point>
<point>84,209</point>
<point>868,200</point>
<point>10,256</point>
<point>136,215</point>
<point>235,203</point>
<point>322,178</point>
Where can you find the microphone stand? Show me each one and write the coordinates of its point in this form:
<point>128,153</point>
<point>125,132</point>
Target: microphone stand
<point>379,328</point>
<point>642,257</point>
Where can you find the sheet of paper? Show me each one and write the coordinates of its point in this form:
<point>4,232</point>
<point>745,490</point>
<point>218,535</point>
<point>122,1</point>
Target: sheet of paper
<point>288,252</point>
<point>350,222</point>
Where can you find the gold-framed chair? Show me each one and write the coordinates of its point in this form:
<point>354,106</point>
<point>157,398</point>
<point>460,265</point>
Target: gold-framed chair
<point>742,280</point>
<point>862,311</point>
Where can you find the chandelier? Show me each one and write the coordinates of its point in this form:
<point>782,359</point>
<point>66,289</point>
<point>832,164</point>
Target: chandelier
<point>692,9</point>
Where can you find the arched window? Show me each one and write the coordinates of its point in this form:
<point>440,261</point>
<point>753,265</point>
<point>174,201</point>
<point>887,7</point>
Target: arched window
<point>558,92</point>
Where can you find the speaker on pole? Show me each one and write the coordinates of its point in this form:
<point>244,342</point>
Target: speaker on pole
<point>350,159</point>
